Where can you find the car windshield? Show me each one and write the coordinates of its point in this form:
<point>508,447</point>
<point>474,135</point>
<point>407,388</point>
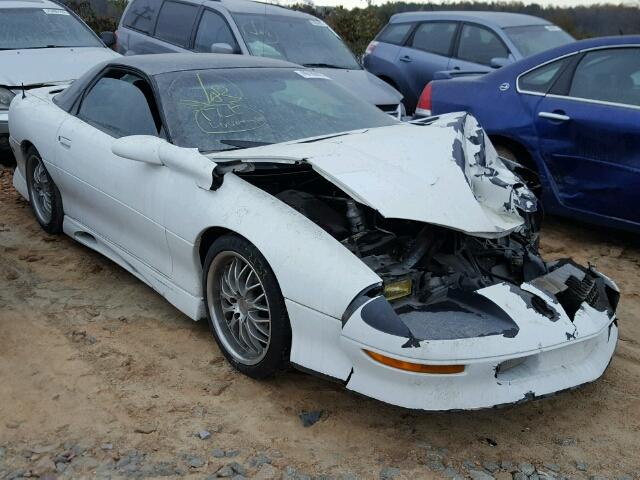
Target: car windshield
<point>307,40</point>
<point>42,28</point>
<point>534,39</point>
<point>215,110</point>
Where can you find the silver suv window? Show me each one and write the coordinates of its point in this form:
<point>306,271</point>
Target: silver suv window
<point>212,29</point>
<point>141,15</point>
<point>175,23</point>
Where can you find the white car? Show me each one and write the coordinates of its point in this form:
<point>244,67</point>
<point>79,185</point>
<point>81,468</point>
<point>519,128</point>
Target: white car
<point>42,43</point>
<point>313,230</point>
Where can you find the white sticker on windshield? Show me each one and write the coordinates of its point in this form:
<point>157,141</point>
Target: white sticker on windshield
<point>311,74</point>
<point>552,28</point>
<point>55,11</point>
<point>317,23</point>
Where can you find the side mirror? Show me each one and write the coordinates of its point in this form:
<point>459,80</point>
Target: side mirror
<point>499,62</point>
<point>139,148</point>
<point>222,48</point>
<point>108,38</point>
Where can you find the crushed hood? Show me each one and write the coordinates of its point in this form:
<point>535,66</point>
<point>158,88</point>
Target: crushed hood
<point>444,173</point>
<point>49,65</point>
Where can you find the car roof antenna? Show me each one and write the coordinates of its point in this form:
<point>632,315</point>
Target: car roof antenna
<point>23,95</point>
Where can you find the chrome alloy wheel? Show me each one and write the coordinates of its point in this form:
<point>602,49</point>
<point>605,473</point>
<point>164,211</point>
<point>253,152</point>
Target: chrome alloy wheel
<point>239,307</point>
<point>41,192</point>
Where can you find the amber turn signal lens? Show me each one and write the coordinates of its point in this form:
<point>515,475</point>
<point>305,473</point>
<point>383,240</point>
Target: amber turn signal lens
<point>415,367</point>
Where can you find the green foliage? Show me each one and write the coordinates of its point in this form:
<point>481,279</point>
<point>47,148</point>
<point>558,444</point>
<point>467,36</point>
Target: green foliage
<point>99,23</point>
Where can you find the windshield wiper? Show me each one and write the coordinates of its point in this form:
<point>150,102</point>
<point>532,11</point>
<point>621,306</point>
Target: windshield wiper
<point>244,143</point>
<point>325,65</point>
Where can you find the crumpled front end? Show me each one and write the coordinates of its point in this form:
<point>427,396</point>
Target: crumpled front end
<point>499,345</point>
<point>466,314</point>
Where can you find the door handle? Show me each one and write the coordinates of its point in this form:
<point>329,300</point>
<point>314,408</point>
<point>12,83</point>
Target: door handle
<point>405,58</point>
<point>64,141</point>
<point>558,117</point>
<point>456,68</point>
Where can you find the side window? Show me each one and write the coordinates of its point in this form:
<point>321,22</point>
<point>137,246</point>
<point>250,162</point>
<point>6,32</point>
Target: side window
<point>542,78</point>
<point>395,33</point>
<point>480,45</point>
<point>175,23</point>
<point>611,75</point>
<point>121,104</point>
<point>213,29</point>
<point>434,37</point>
<point>141,15</point>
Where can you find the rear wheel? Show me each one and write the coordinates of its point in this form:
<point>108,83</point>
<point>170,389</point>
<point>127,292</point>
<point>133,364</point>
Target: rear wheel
<point>245,308</point>
<point>44,195</point>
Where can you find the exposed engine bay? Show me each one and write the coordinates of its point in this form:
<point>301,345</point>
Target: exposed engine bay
<point>431,273</point>
<point>418,262</point>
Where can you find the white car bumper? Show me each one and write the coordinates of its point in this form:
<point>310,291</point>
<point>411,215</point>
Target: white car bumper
<point>480,385</point>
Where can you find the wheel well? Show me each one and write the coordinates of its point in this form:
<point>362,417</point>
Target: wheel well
<point>207,238</point>
<point>518,149</point>
<point>25,146</point>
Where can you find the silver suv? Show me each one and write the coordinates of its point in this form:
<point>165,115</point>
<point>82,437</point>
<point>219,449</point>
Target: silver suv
<point>249,28</point>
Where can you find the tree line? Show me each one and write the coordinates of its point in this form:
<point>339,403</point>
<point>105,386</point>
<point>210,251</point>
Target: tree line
<point>359,26</point>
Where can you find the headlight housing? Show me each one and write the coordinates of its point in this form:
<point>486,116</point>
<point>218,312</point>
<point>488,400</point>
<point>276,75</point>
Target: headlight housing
<point>6,96</point>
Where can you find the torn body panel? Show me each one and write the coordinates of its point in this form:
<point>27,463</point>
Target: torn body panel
<point>467,291</point>
<point>407,171</point>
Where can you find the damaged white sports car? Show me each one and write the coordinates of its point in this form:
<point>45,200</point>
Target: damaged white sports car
<point>311,229</point>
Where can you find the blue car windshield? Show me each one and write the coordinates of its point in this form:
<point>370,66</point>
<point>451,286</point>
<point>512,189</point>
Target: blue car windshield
<point>43,28</point>
<point>304,40</point>
<point>215,110</point>
<point>533,39</point>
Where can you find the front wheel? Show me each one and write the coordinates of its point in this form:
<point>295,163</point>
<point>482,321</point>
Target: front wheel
<point>44,195</point>
<point>245,308</point>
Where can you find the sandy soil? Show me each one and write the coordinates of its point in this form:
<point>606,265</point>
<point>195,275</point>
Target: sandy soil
<point>90,356</point>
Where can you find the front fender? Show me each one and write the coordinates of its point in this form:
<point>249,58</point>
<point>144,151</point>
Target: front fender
<point>312,268</point>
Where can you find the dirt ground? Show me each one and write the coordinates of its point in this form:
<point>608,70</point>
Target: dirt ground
<point>95,368</point>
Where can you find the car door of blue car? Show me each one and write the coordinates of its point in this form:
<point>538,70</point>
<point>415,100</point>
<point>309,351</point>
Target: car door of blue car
<point>589,134</point>
<point>427,51</point>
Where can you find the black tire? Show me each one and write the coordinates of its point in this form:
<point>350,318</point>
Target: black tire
<point>276,358</point>
<point>53,223</point>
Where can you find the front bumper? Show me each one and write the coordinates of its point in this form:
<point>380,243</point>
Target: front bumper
<point>515,343</point>
<point>482,384</point>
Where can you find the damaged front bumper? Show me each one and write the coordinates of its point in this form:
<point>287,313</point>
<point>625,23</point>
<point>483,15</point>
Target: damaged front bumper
<point>515,343</point>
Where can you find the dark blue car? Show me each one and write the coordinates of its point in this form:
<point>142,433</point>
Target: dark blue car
<point>572,114</point>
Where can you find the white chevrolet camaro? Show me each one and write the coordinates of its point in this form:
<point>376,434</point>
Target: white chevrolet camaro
<point>313,230</point>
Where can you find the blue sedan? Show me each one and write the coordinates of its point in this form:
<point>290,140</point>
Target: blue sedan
<point>572,114</point>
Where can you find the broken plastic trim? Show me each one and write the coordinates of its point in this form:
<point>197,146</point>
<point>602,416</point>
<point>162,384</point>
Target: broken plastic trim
<point>414,367</point>
<point>363,297</point>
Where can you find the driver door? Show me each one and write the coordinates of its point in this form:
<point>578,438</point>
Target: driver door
<point>119,199</point>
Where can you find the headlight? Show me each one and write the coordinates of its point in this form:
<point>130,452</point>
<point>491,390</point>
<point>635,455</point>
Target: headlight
<point>6,96</point>
<point>397,289</point>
